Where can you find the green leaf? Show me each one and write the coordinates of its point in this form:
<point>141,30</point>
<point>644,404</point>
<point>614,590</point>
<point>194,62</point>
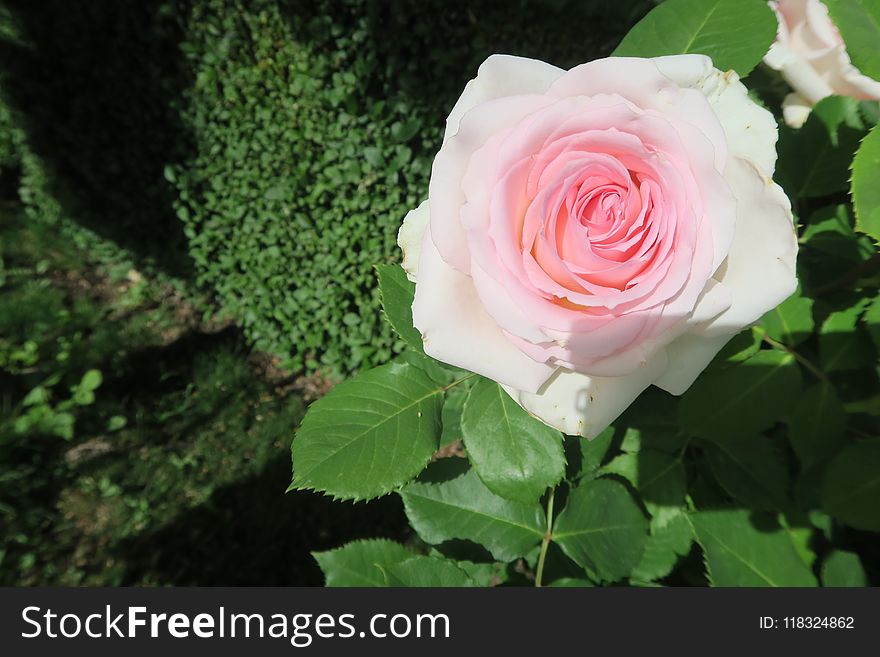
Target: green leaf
<point>801,534</point>
<point>571,583</point>
<point>370,434</point>
<point>865,191</point>
<point>832,249</point>
<point>843,346</point>
<point>453,406</point>
<point>602,529</point>
<point>741,399</point>
<point>751,469</point>
<point>360,563</point>
<point>743,548</point>
<point>397,293</point>
<point>851,489</point>
<point>669,539</point>
<point>843,569</point>
<point>659,477</point>
<point>422,571</point>
<point>736,34</point>
<point>91,380</point>
<point>463,508</point>
<point>116,423</point>
<point>587,455</point>
<point>814,159</point>
<point>872,321</point>
<point>859,25</point>
<point>516,456</point>
<point>741,347</point>
<point>816,425</point>
<point>791,322</point>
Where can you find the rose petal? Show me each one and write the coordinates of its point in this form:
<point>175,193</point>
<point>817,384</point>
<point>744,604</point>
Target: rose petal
<point>751,130</point>
<point>688,356</point>
<point>578,404</point>
<point>456,329</point>
<point>498,76</point>
<point>760,270</point>
<point>409,239</point>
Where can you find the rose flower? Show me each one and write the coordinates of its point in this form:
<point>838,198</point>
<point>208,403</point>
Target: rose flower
<point>591,232</point>
<point>811,55</point>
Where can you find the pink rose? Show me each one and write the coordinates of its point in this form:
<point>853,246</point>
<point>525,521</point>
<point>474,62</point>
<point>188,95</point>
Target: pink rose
<point>812,58</point>
<point>593,231</point>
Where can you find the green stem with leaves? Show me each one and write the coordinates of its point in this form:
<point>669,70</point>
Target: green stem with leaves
<point>548,536</point>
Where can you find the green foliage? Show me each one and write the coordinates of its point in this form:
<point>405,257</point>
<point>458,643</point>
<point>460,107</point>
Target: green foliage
<point>852,485</point>
<point>423,571</point>
<point>670,539</point>
<point>843,569</point>
<point>768,384</point>
<point>602,529</point>
<point>859,24</point>
<point>361,563</point>
<point>92,90</point>
<point>736,34</point>
<point>752,469</point>
<point>791,322</point>
<point>814,159</point>
<point>353,451</point>
<point>397,293</point>
<point>748,551</point>
<point>463,508</point>
<point>817,425</point>
<point>515,455</point>
<point>866,196</point>
<point>174,474</point>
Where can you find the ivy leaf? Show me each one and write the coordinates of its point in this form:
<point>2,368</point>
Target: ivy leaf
<point>743,399</point>
<point>423,571</point>
<point>814,159</point>
<point>843,569</point>
<point>744,548</point>
<point>370,434</point>
<point>751,469</point>
<point>865,192</point>
<point>602,529</point>
<point>851,488</point>
<point>859,24</point>
<point>516,456</point>
<point>791,322</point>
<point>669,539</point>
<point>734,33</point>
<point>816,425</point>
<point>463,508</point>
<point>397,293</point>
<point>360,563</point>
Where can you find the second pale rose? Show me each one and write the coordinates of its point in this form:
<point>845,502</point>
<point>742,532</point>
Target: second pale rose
<point>812,57</point>
<point>591,232</point>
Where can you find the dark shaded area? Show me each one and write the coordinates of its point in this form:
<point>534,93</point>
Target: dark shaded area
<point>251,533</point>
<point>95,85</point>
<point>426,50</point>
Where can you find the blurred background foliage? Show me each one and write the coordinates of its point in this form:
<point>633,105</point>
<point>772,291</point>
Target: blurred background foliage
<point>195,193</point>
